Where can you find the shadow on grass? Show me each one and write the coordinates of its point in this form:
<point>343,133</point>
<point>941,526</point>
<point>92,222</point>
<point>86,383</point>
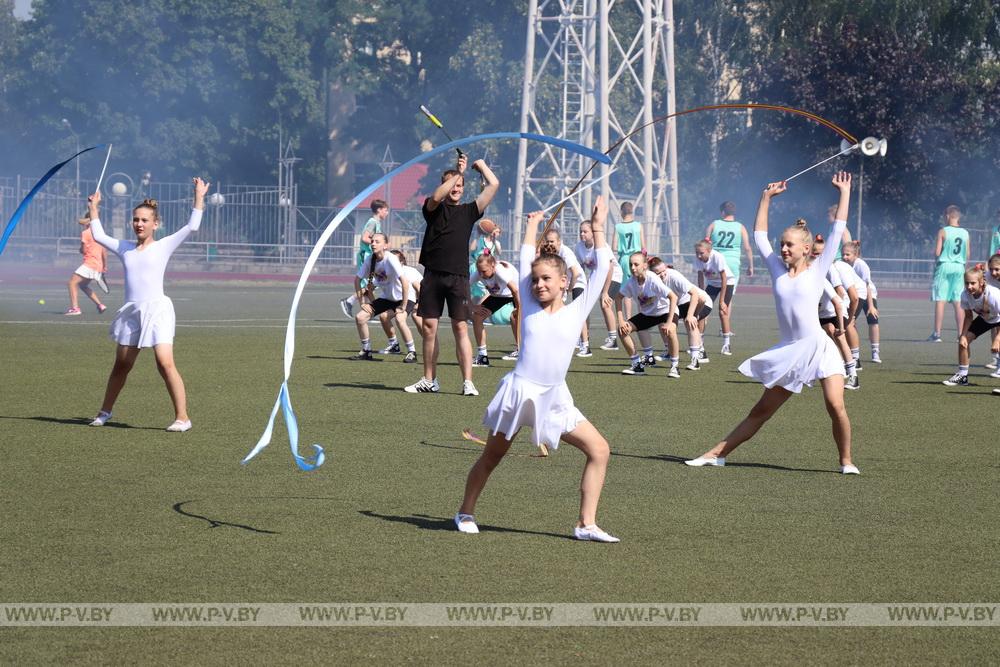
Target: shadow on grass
<point>362,385</point>
<point>427,522</point>
<point>454,447</point>
<point>82,421</point>
<point>216,523</point>
<point>673,458</point>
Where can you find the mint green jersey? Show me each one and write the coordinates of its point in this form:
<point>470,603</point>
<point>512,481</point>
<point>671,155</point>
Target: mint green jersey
<point>727,238</point>
<point>995,241</point>
<point>628,238</point>
<point>955,246</point>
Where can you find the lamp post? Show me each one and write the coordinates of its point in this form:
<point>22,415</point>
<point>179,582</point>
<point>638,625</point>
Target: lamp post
<point>76,139</point>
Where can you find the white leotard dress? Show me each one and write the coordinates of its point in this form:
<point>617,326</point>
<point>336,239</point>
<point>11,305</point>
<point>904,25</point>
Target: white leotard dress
<point>535,394</point>
<point>805,353</point>
<point>147,319</point>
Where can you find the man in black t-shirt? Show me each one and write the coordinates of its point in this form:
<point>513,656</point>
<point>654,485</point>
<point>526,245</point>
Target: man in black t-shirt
<point>445,256</point>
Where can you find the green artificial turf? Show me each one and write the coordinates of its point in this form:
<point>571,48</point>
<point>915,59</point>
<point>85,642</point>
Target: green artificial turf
<point>131,513</point>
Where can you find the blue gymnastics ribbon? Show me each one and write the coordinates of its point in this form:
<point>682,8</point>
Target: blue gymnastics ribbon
<point>23,206</point>
<point>284,400</point>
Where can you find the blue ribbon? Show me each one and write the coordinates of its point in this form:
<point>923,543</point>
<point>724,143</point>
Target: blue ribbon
<point>284,400</point>
<point>23,206</point>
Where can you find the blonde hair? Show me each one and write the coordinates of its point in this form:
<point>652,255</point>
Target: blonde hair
<point>977,270</point>
<point>552,259</point>
<point>152,205</point>
<point>854,246</point>
<point>704,243</point>
<point>801,226</point>
<point>995,259</point>
<point>486,259</point>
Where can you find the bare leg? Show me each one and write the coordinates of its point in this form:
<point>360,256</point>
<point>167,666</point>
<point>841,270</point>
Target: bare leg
<point>873,334</point>
<point>124,360</point>
<point>768,404</point>
<point>588,440</point>
<point>361,321</point>
<point>463,347</point>
<point>627,343</point>
<point>386,322</point>
<point>479,329</point>
<point>175,385</point>
<point>724,319</point>
<point>963,350</point>
<point>86,289</point>
<point>845,351</point>
<point>430,347</point>
<point>833,394</point>
<point>959,316</point>
<point>516,329</point>
<point>74,281</point>
<point>404,329</point>
<point>496,447</point>
<point>938,316</point>
<point>609,316</point>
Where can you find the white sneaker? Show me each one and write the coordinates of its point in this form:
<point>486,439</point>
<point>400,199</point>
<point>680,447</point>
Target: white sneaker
<point>510,356</point>
<point>995,374</point>
<point>347,308</point>
<point>423,386</point>
<point>850,470</point>
<point>706,461</point>
<point>997,392</point>
<point>584,352</point>
<point>179,426</point>
<point>101,419</point>
<point>673,372</point>
<point>694,365</point>
<point>593,534</point>
<point>726,351</point>
<point>610,343</point>
<point>469,389</point>
<point>876,359</point>
<point>992,365</point>
<point>466,524</point>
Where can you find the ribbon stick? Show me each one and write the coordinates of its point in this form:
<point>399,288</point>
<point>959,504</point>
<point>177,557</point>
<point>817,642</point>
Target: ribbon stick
<point>104,168</point>
<point>578,191</point>
<point>284,401</point>
<point>23,206</point>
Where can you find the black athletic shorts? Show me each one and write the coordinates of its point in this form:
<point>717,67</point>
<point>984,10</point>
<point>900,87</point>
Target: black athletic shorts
<point>714,291</point>
<point>980,326</point>
<point>614,288</point>
<point>682,311</point>
<point>379,306</point>
<point>577,291</point>
<point>495,303</point>
<point>642,322</point>
<point>438,289</point>
<point>835,321</point>
<point>872,319</point>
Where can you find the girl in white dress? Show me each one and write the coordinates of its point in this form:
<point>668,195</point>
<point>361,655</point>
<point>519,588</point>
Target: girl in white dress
<point>147,319</point>
<point>805,354</point>
<point>535,394</point>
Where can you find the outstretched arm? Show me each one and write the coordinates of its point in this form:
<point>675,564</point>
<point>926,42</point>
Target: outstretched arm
<point>96,228</point>
<point>492,185</point>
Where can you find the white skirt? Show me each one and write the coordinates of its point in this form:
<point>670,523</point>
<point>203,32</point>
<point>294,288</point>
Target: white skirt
<point>548,410</point>
<point>144,323</point>
<point>86,272</point>
<point>795,364</point>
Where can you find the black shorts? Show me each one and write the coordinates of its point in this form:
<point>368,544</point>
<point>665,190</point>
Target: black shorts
<point>642,322</point>
<point>614,288</point>
<point>682,311</point>
<point>980,326</point>
<point>410,306</point>
<point>495,303</point>
<point>577,291</point>
<point>379,306</point>
<point>872,319</point>
<point>714,291</point>
<point>437,289</point>
<point>835,321</point>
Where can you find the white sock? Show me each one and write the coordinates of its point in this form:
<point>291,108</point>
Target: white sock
<point>366,343</point>
<point>411,347</point>
<point>851,367</point>
<point>674,361</point>
<point>647,351</point>
<point>352,300</point>
<point>963,370</point>
<point>856,353</point>
<point>393,341</point>
<point>482,350</point>
<point>726,337</point>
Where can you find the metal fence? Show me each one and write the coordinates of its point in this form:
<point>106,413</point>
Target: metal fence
<point>262,228</point>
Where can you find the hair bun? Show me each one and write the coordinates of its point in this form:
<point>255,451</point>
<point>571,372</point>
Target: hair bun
<point>149,203</point>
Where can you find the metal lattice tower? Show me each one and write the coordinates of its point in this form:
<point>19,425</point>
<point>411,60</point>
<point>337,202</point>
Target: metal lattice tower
<point>587,81</point>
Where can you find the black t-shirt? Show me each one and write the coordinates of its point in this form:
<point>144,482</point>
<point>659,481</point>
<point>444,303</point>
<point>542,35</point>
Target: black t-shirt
<point>446,239</point>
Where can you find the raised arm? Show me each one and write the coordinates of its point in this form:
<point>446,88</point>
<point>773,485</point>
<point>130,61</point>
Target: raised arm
<point>96,228</point>
<point>492,185</point>
<point>595,286</point>
<point>842,182</point>
<point>194,222</point>
<point>442,190</point>
<point>531,230</point>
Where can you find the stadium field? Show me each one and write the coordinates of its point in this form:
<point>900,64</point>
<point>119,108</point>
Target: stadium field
<point>129,513</point>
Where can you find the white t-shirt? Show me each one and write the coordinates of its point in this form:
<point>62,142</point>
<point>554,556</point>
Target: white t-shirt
<point>865,273</point>
<point>826,306</point>
<point>386,276</point>
<point>713,268</point>
<point>497,285</point>
<point>682,287</point>
<point>588,260</point>
<point>990,280</point>
<point>986,305</point>
<point>848,278</point>
<point>415,278</point>
<point>571,261</point>
<point>652,295</point>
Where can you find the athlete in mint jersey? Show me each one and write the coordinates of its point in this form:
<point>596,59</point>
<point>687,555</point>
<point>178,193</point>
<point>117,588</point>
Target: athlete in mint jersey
<point>952,253</point>
<point>995,238</point>
<point>730,239</point>
<point>628,238</point>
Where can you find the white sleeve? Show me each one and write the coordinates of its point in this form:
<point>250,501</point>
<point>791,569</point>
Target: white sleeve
<point>177,238</point>
<point>774,264</point>
<point>834,278</point>
<point>97,231</point>
<point>475,277</point>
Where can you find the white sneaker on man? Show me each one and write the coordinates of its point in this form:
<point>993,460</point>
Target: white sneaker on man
<point>101,419</point>
<point>469,389</point>
<point>423,386</point>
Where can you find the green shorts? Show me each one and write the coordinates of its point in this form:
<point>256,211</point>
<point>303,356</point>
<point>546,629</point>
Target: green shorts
<point>949,282</point>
